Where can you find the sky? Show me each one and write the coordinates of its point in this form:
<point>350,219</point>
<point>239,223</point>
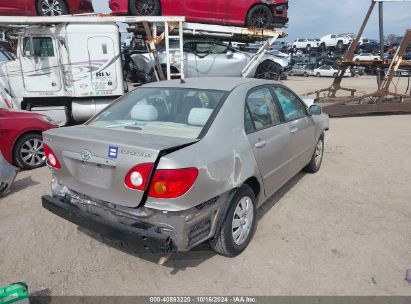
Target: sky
<point>317,18</point>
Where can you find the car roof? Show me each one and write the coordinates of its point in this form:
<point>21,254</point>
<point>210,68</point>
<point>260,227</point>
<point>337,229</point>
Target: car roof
<point>209,83</point>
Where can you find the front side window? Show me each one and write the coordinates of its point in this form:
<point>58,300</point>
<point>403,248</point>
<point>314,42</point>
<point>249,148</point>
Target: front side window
<point>261,111</point>
<point>172,112</point>
<point>38,47</point>
<point>293,107</point>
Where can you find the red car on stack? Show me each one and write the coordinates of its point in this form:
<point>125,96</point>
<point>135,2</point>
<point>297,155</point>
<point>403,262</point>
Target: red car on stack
<point>249,13</point>
<point>45,7</point>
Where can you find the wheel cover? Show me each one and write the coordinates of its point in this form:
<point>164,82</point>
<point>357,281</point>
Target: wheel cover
<point>318,153</point>
<point>260,18</point>
<point>32,153</point>
<point>51,8</point>
<point>145,7</point>
<point>242,220</point>
<point>267,71</point>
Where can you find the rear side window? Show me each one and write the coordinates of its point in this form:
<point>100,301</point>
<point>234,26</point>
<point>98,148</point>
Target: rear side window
<point>261,111</point>
<point>293,107</point>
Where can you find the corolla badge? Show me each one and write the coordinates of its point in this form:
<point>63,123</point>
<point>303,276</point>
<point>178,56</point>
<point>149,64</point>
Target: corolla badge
<point>85,154</point>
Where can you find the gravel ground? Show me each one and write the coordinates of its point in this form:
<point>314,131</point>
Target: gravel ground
<point>343,231</point>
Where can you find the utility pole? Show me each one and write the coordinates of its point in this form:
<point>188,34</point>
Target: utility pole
<point>380,72</point>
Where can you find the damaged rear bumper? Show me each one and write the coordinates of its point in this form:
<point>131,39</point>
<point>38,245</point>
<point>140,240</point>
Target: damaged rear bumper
<point>147,238</point>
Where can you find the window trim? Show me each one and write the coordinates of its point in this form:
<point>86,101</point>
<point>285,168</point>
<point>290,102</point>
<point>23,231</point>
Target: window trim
<point>274,98</point>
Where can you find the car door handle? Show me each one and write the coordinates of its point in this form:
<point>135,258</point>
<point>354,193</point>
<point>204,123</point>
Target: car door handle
<point>293,130</point>
<point>260,144</point>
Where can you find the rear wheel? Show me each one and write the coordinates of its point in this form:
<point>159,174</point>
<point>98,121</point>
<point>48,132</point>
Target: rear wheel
<point>239,224</point>
<point>145,7</point>
<point>268,70</point>
<point>259,16</point>
<point>305,74</point>
<point>318,74</point>
<point>51,8</point>
<point>28,151</point>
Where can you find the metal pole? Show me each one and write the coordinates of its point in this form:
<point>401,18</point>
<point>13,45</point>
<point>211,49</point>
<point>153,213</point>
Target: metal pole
<point>381,73</point>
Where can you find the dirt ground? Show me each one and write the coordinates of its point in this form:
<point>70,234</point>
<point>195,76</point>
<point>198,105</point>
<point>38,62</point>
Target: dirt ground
<point>343,231</point>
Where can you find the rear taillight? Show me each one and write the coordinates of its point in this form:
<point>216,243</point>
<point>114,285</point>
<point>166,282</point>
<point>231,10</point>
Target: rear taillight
<point>138,176</point>
<point>172,183</point>
<point>52,159</point>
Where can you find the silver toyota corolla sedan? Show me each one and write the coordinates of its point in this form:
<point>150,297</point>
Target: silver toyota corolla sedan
<point>175,163</point>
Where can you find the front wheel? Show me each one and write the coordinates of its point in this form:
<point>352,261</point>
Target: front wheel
<point>239,224</point>
<point>268,70</point>
<point>259,16</point>
<point>28,151</point>
<point>145,7</point>
<point>317,158</point>
<point>51,8</point>
<point>318,74</point>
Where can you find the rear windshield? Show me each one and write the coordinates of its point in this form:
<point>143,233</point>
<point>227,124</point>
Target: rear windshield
<point>173,112</point>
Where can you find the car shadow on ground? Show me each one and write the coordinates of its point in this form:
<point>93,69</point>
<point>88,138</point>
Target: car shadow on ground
<point>21,184</point>
<point>201,253</point>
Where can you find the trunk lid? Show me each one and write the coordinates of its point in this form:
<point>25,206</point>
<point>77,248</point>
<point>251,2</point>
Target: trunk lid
<point>94,161</point>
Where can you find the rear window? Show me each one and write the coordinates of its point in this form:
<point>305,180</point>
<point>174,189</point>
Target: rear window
<point>173,112</point>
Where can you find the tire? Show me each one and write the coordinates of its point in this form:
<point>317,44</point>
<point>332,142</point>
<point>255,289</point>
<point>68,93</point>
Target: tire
<point>145,7</point>
<point>335,74</point>
<point>224,241</point>
<point>340,45</point>
<point>290,74</point>
<point>51,8</point>
<point>308,48</point>
<point>318,74</point>
<point>26,145</point>
<point>316,160</point>
<point>305,74</point>
<point>259,16</point>
<point>268,70</point>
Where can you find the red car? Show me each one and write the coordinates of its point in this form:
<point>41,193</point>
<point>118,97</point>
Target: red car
<point>250,13</point>
<point>21,142</point>
<point>44,7</point>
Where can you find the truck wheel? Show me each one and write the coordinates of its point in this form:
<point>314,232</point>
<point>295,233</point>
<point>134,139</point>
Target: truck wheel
<point>51,8</point>
<point>259,16</point>
<point>145,7</point>
<point>28,151</point>
<point>317,158</point>
<point>239,224</point>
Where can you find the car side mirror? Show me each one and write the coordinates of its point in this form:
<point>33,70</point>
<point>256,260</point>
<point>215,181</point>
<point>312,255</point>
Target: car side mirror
<point>230,54</point>
<point>315,110</point>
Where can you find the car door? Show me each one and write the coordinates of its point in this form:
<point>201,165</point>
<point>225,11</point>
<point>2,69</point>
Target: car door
<point>193,10</point>
<point>326,70</point>
<point>269,137</point>
<point>15,7</point>
<point>301,126</point>
<point>40,64</point>
<point>217,59</point>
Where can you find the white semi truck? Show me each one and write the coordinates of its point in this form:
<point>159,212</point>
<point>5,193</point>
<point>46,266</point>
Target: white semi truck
<point>72,68</point>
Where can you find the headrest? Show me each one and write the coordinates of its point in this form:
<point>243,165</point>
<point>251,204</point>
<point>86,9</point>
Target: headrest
<point>144,112</point>
<point>199,116</point>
